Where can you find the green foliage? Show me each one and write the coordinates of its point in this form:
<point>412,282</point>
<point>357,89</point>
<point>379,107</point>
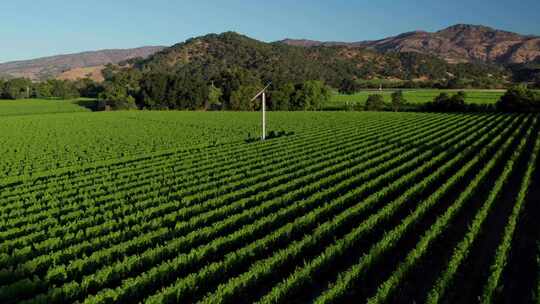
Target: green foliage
<point>349,86</point>
<point>17,88</point>
<point>281,97</point>
<point>375,102</point>
<point>214,98</point>
<point>169,206</point>
<point>216,55</point>
<point>44,106</point>
<point>310,95</point>
<point>43,90</point>
<point>154,90</point>
<point>398,101</point>
<point>519,99</point>
<point>88,87</point>
<point>446,103</point>
<point>115,97</point>
<point>63,89</point>
<point>241,98</point>
<point>187,92</point>
<point>230,80</point>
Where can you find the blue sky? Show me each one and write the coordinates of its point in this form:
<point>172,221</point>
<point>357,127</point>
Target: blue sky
<point>30,29</point>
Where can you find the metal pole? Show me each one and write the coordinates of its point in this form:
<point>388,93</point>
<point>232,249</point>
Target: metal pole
<point>263,115</point>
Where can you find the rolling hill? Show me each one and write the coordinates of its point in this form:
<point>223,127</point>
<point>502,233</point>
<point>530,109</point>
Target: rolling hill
<point>212,54</point>
<point>73,66</point>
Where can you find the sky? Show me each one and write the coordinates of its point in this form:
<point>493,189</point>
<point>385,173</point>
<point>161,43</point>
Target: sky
<point>37,28</point>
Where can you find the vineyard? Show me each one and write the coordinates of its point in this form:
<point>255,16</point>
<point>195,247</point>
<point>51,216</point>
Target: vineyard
<point>178,207</point>
<point>42,106</point>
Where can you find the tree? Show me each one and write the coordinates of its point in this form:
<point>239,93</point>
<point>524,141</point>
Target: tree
<point>374,102</point>
<point>187,92</point>
<point>63,89</point>
<point>280,98</point>
<point>2,85</point>
<point>456,83</point>
<point>519,99</point>
<point>43,90</point>
<point>153,90</point>
<point>214,98</point>
<point>537,81</point>
<point>241,98</point>
<point>446,103</point>
<point>116,97</point>
<point>349,86</point>
<point>17,88</point>
<point>398,100</point>
<point>310,95</point>
<point>231,80</point>
<point>88,87</point>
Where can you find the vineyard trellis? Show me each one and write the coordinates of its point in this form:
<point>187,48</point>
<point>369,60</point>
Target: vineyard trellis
<point>175,207</point>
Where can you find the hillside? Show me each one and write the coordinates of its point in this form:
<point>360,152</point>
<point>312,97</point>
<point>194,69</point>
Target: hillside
<point>72,66</point>
<point>214,53</point>
<point>458,43</point>
<point>461,51</point>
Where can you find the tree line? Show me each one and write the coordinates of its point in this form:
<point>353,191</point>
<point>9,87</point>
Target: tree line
<point>231,89</point>
<point>517,99</point>
<point>19,88</point>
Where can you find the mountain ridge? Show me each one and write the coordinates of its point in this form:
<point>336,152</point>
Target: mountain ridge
<point>69,64</point>
<point>390,57</point>
<point>456,43</point>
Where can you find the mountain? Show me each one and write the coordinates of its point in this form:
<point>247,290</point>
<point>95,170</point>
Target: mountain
<point>73,66</point>
<point>458,43</point>
<point>213,54</point>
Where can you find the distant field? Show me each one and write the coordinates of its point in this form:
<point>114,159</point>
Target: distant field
<point>420,96</point>
<point>42,106</point>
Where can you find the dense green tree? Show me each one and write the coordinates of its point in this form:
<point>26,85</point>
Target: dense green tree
<point>456,83</point>
<point>2,85</point>
<point>241,99</point>
<point>280,98</point>
<point>88,87</point>
<point>519,99</point>
<point>231,80</point>
<point>398,100</point>
<point>214,98</point>
<point>375,102</point>
<point>63,89</point>
<point>446,103</point>
<point>154,90</point>
<point>43,89</point>
<point>349,86</point>
<point>187,92</point>
<point>17,88</point>
<point>116,97</point>
<point>310,95</point>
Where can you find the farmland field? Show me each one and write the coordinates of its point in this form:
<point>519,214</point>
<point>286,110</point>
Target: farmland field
<point>42,106</point>
<point>418,96</point>
<point>177,207</point>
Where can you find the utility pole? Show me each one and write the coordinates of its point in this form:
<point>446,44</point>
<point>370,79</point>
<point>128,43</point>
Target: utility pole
<point>263,94</point>
<point>264,115</point>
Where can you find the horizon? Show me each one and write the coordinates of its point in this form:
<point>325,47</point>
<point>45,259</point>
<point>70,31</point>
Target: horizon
<point>171,23</point>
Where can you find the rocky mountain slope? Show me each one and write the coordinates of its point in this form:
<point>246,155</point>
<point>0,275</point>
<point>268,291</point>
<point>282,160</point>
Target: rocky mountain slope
<point>458,43</point>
